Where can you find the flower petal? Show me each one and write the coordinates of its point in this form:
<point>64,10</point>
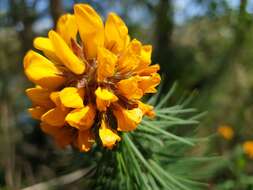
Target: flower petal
<point>146,109</point>
<point>149,70</point>
<point>90,27</point>
<point>127,120</point>
<point>129,88</point>
<point>108,136</point>
<point>41,71</point>
<point>148,83</point>
<point>55,117</point>
<point>37,112</point>
<point>82,118</point>
<point>104,98</point>
<point>116,33</point>
<point>106,64</point>
<point>67,28</point>
<point>85,140</point>
<point>45,45</point>
<point>72,97</point>
<point>130,59</point>
<point>65,54</point>
<point>40,97</point>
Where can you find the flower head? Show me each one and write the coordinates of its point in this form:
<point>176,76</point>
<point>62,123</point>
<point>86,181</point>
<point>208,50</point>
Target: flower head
<point>88,89</point>
<point>248,148</point>
<point>226,132</point>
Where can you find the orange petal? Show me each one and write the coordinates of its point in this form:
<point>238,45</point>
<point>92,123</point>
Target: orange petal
<point>85,140</point>
<point>127,120</point>
<point>55,117</point>
<point>41,71</point>
<point>106,64</point>
<point>91,29</point>
<point>108,136</point>
<point>116,33</point>
<point>72,97</point>
<point>104,98</point>
<point>82,118</point>
<point>39,97</point>
<point>67,27</point>
<point>65,54</point>
<point>146,109</point>
<point>148,83</point>
<point>129,88</point>
<point>37,112</point>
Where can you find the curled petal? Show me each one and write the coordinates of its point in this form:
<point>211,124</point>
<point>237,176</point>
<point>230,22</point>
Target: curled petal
<point>129,88</point>
<point>67,27</point>
<point>106,64</point>
<point>127,120</point>
<point>148,83</point>
<point>146,109</point>
<point>41,71</point>
<point>39,97</point>
<point>90,27</point>
<point>149,70</point>
<point>55,117</point>
<point>107,135</point>
<point>72,97</point>
<point>104,98</point>
<point>65,54</point>
<point>82,118</point>
<point>37,112</point>
<point>116,33</point>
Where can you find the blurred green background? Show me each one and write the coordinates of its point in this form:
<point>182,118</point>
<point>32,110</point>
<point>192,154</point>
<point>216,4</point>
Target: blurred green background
<point>205,45</point>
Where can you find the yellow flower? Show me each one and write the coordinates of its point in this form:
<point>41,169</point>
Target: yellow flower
<point>248,148</point>
<point>226,132</point>
<point>83,85</point>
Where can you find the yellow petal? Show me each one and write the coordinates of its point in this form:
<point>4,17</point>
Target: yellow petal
<point>116,33</point>
<point>82,118</point>
<point>65,54</point>
<point>85,140</point>
<point>41,71</point>
<point>146,109</point>
<point>37,112</point>
<point>149,70</point>
<point>107,135</point>
<point>55,97</point>
<point>104,98</point>
<point>106,64</point>
<point>145,57</point>
<point>130,59</point>
<point>40,97</point>
<point>90,27</point>
<point>148,83</point>
<point>45,45</point>
<point>129,88</point>
<point>72,97</point>
<point>127,120</point>
<point>67,28</point>
<point>55,117</point>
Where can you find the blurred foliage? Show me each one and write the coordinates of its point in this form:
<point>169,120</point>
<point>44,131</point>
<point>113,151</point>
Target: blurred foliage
<point>206,46</point>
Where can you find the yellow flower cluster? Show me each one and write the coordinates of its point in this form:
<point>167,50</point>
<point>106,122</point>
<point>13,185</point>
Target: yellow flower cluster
<point>226,132</point>
<point>89,82</point>
<point>248,148</point>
